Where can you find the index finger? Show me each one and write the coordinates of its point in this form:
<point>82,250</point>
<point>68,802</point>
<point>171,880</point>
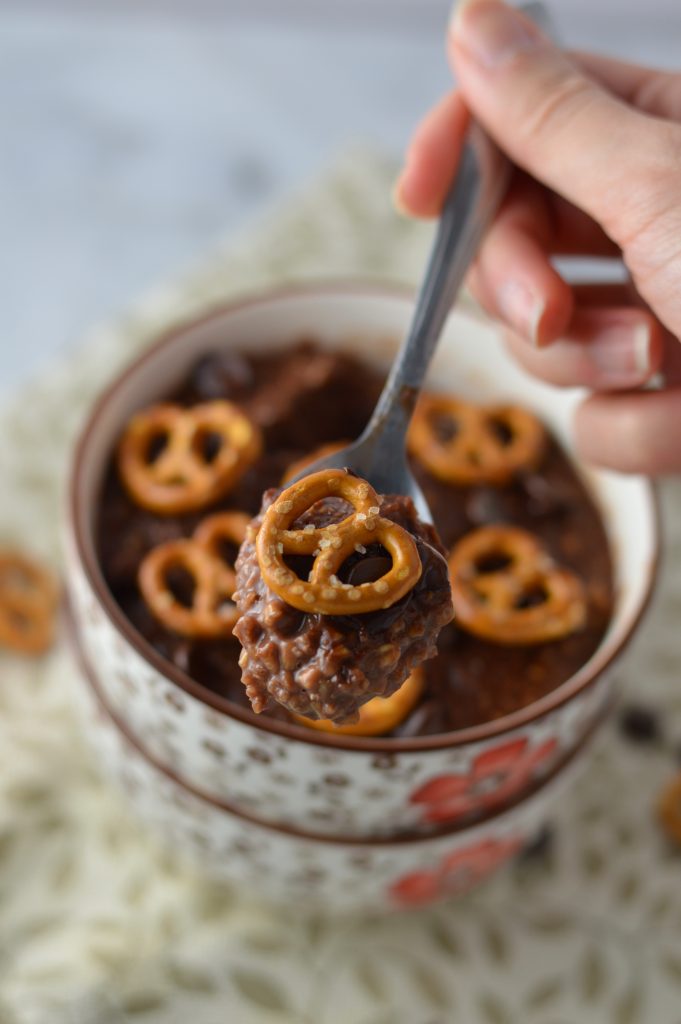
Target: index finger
<point>432,158</point>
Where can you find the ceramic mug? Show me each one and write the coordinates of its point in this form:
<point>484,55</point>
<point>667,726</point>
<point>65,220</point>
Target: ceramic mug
<point>282,865</point>
<point>302,778</point>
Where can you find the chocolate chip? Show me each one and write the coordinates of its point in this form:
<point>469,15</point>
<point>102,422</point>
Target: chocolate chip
<point>419,722</point>
<point>368,570</point>
<point>486,505</point>
<point>540,847</point>
<point>640,724</point>
<point>221,375</point>
<point>181,654</point>
<point>542,497</point>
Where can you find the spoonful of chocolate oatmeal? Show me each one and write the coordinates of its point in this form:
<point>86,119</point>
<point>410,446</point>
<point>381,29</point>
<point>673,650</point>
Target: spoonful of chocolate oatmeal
<point>341,593</point>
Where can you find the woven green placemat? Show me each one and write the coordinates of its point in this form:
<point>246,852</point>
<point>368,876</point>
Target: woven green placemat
<point>98,927</point>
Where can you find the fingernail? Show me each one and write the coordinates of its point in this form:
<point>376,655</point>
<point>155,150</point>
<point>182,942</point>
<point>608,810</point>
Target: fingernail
<point>521,309</point>
<point>621,354</point>
<point>492,32</point>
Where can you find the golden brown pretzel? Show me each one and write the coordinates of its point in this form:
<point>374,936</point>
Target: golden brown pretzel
<point>297,467</point>
<point>28,600</point>
<point>331,545</point>
<point>462,443</point>
<point>507,588</point>
<point>211,612</point>
<point>379,715</point>
<point>669,809</point>
<point>183,478</point>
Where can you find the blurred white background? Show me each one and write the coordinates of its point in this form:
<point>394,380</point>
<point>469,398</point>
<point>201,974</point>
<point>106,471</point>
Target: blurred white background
<point>137,133</point>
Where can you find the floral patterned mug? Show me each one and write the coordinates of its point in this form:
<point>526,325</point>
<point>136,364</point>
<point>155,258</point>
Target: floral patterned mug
<point>286,866</point>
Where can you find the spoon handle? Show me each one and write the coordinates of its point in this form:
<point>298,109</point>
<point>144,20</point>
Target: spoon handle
<point>474,197</point>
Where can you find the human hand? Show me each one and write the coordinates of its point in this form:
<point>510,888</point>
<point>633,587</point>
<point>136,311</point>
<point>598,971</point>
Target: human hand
<point>597,144</point>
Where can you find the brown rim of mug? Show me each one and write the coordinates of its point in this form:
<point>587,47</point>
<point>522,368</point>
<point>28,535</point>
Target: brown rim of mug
<point>603,657</point>
<point>442,832</point>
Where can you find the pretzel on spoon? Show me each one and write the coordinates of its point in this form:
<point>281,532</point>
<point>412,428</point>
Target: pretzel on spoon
<point>331,545</point>
<point>461,443</point>
<point>185,475</point>
<point>211,613</point>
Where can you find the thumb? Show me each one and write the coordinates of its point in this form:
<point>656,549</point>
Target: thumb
<point>557,123</point>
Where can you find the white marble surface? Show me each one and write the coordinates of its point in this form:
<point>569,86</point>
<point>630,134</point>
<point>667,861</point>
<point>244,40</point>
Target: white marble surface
<point>135,135</point>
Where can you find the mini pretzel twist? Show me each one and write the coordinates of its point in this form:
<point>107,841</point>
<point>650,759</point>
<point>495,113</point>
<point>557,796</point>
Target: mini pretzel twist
<point>211,612</point>
<point>507,589</point>
<point>669,809</point>
<point>331,545</point>
<point>461,443</point>
<point>28,601</point>
<point>379,715</point>
<point>183,477</point>
<point>297,467</point>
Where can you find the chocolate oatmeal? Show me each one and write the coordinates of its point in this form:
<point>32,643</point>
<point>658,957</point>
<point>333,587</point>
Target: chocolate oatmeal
<point>328,666</point>
<point>299,400</point>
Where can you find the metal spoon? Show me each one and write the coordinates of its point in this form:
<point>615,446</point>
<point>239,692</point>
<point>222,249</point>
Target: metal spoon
<point>379,455</point>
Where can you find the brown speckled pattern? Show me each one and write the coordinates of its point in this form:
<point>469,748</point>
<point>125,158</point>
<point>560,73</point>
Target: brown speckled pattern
<point>295,869</point>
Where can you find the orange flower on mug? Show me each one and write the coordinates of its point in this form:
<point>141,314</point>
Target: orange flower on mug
<point>495,776</point>
<point>456,873</point>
